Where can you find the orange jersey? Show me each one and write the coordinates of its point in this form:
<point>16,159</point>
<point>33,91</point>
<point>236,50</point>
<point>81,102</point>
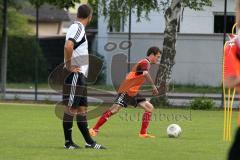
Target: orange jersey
<point>232,65</point>
<point>135,78</point>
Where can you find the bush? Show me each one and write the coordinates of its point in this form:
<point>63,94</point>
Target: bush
<point>202,103</point>
<point>21,60</point>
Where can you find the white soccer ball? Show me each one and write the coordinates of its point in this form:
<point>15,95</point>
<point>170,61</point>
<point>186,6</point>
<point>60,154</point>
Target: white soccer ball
<point>174,131</point>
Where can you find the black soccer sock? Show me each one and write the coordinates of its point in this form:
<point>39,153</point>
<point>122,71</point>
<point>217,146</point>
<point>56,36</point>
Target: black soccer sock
<point>67,127</point>
<point>234,153</point>
<point>83,127</point>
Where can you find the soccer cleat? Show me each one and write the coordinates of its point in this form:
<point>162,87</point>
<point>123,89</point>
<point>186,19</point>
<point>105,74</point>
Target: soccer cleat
<point>146,135</point>
<point>93,132</point>
<point>71,145</point>
<point>94,146</point>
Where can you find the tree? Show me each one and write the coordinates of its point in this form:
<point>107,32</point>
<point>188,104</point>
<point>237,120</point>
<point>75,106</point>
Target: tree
<point>4,48</point>
<point>114,10</point>
<point>17,23</point>
<point>171,16</point>
<point>4,34</point>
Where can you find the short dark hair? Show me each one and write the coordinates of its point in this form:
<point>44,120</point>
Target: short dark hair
<point>84,11</point>
<point>153,50</point>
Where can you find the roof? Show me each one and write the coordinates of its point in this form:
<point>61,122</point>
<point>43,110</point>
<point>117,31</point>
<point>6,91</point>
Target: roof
<point>47,13</point>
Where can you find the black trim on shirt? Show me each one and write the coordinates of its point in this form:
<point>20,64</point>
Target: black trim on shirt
<point>79,43</point>
<point>73,40</point>
<point>148,60</point>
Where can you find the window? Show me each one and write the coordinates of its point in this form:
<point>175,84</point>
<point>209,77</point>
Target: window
<point>219,23</point>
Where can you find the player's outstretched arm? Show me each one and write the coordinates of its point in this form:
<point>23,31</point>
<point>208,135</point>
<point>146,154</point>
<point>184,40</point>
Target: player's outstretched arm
<point>149,79</point>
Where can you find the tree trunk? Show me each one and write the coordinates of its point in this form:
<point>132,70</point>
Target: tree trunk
<point>3,68</point>
<point>169,50</point>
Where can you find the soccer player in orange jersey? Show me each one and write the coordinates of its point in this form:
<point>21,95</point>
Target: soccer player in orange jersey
<point>128,93</point>
<point>233,81</point>
<point>234,152</point>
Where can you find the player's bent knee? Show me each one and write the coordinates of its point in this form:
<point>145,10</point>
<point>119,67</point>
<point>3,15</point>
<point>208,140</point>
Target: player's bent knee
<point>115,109</point>
<point>149,107</point>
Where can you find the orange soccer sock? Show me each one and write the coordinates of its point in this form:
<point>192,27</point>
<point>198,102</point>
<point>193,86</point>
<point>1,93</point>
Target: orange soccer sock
<point>102,119</point>
<point>145,122</point>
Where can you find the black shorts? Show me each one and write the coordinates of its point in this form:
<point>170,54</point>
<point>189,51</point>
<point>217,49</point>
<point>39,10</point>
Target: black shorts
<point>75,90</point>
<point>123,99</point>
<point>234,152</point>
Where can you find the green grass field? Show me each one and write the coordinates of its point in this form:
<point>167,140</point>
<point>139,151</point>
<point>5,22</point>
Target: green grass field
<point>33,132</point>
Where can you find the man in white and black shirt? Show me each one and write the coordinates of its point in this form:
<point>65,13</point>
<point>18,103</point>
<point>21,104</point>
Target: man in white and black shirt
<point>75,84</point>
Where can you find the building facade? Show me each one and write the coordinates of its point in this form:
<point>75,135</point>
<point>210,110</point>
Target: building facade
<point>199,44</point>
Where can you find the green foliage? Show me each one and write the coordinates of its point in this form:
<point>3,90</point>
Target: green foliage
<point>202,103</point>
<point>94,22</point>
<point>21,52</point>
<point>58,3</point>
<point>116,10</point>
<point>12,3</point>
<point>197,4</point>
<point>17,23</point>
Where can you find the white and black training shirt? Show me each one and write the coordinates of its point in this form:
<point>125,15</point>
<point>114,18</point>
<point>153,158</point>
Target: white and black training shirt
<point>76,34</point>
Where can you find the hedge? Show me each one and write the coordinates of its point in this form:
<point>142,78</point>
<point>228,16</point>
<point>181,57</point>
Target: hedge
<point>21,60</point>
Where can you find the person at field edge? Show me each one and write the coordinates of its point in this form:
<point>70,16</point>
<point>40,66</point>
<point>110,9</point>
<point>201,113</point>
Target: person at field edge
<point>128,93</point>
<point>234,152</point>
<point>75,87</point>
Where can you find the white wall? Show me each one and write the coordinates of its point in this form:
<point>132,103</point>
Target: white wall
<point>155,24</point>
<point>203,21</point>
<point>199,51</point>
<point>198,59</point>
